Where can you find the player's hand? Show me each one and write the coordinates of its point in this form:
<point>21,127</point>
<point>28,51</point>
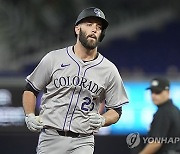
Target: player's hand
<point>34,123</point>
<point>96,120</point>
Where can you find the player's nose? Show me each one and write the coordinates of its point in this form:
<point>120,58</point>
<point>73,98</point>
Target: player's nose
<point>94,28</point>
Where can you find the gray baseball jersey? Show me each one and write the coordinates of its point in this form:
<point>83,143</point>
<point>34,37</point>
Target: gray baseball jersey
<point>74,88</point>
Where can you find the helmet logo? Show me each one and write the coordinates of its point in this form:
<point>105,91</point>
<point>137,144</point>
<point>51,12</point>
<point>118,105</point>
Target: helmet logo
<point>97,12</point>
<point>155,83</point>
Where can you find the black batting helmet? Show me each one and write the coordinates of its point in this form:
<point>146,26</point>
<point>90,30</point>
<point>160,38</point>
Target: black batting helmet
<point>94,12</point>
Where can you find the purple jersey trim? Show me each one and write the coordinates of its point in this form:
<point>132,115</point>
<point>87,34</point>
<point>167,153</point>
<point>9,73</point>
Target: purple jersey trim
<point>32,85</point>
<point>117,106</point>
<point>81,89</point>
<point>74,89</point>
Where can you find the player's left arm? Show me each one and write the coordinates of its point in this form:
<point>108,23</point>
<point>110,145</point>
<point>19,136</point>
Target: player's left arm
<point>115,96</point>
<point>112,116</point>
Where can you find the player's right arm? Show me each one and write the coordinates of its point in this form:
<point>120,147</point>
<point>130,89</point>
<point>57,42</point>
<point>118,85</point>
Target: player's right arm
<point>36,82</point>
<point>33,122</point>
<point>29,102</point>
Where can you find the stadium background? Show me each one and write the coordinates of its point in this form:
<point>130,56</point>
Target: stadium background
<point>142,40</point>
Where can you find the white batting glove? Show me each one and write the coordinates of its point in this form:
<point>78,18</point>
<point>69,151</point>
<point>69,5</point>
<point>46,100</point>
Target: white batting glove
<point>34,123</point>
<point>96,120</point>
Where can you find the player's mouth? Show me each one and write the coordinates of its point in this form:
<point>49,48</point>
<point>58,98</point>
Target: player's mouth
<point>92,36</point>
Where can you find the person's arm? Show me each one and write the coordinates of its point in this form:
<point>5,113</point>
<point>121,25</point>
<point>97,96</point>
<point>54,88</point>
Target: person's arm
<point>151,148</point>
<point>111,117</point>
<point>102,107</point>
<point>115,97</point>
<point>34,123</point>
<point>36,82</point>
<point>108,118</point>
<point>29,102</point>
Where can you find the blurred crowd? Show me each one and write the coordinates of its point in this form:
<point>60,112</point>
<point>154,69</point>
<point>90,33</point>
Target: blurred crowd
<point>31,28</point>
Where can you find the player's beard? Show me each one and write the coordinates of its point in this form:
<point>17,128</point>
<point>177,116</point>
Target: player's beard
<point>88,44</point>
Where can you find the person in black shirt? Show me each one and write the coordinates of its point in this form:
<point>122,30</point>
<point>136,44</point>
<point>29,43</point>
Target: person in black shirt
<point>165,127</point>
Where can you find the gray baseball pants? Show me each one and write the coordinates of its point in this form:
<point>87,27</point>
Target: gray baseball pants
<point>50,142</point>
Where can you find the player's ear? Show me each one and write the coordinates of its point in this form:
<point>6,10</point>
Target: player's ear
<point>77,29</point>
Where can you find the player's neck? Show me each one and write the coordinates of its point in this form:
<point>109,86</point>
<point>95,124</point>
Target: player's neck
<point>83,53</point>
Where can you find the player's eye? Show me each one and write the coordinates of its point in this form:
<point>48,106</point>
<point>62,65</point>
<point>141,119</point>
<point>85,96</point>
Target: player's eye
<point>89,24</point>
<point>99,27</point>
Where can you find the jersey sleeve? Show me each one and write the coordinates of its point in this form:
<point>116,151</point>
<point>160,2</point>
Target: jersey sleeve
<point>115,94</point>
<point>41,75</point>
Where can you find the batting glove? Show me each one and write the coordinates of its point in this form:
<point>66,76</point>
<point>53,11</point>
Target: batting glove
<point>33,122</point>
<point>96,120</point>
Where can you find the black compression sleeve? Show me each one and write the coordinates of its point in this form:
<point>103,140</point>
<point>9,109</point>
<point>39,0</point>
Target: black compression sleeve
<point>118,110</point>
<point>28,87</point>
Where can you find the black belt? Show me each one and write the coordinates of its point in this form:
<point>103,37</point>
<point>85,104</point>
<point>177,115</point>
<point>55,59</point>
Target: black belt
<point>67,133</point>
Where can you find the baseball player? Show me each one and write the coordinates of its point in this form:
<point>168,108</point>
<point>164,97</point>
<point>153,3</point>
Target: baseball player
<point>75,80</point>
